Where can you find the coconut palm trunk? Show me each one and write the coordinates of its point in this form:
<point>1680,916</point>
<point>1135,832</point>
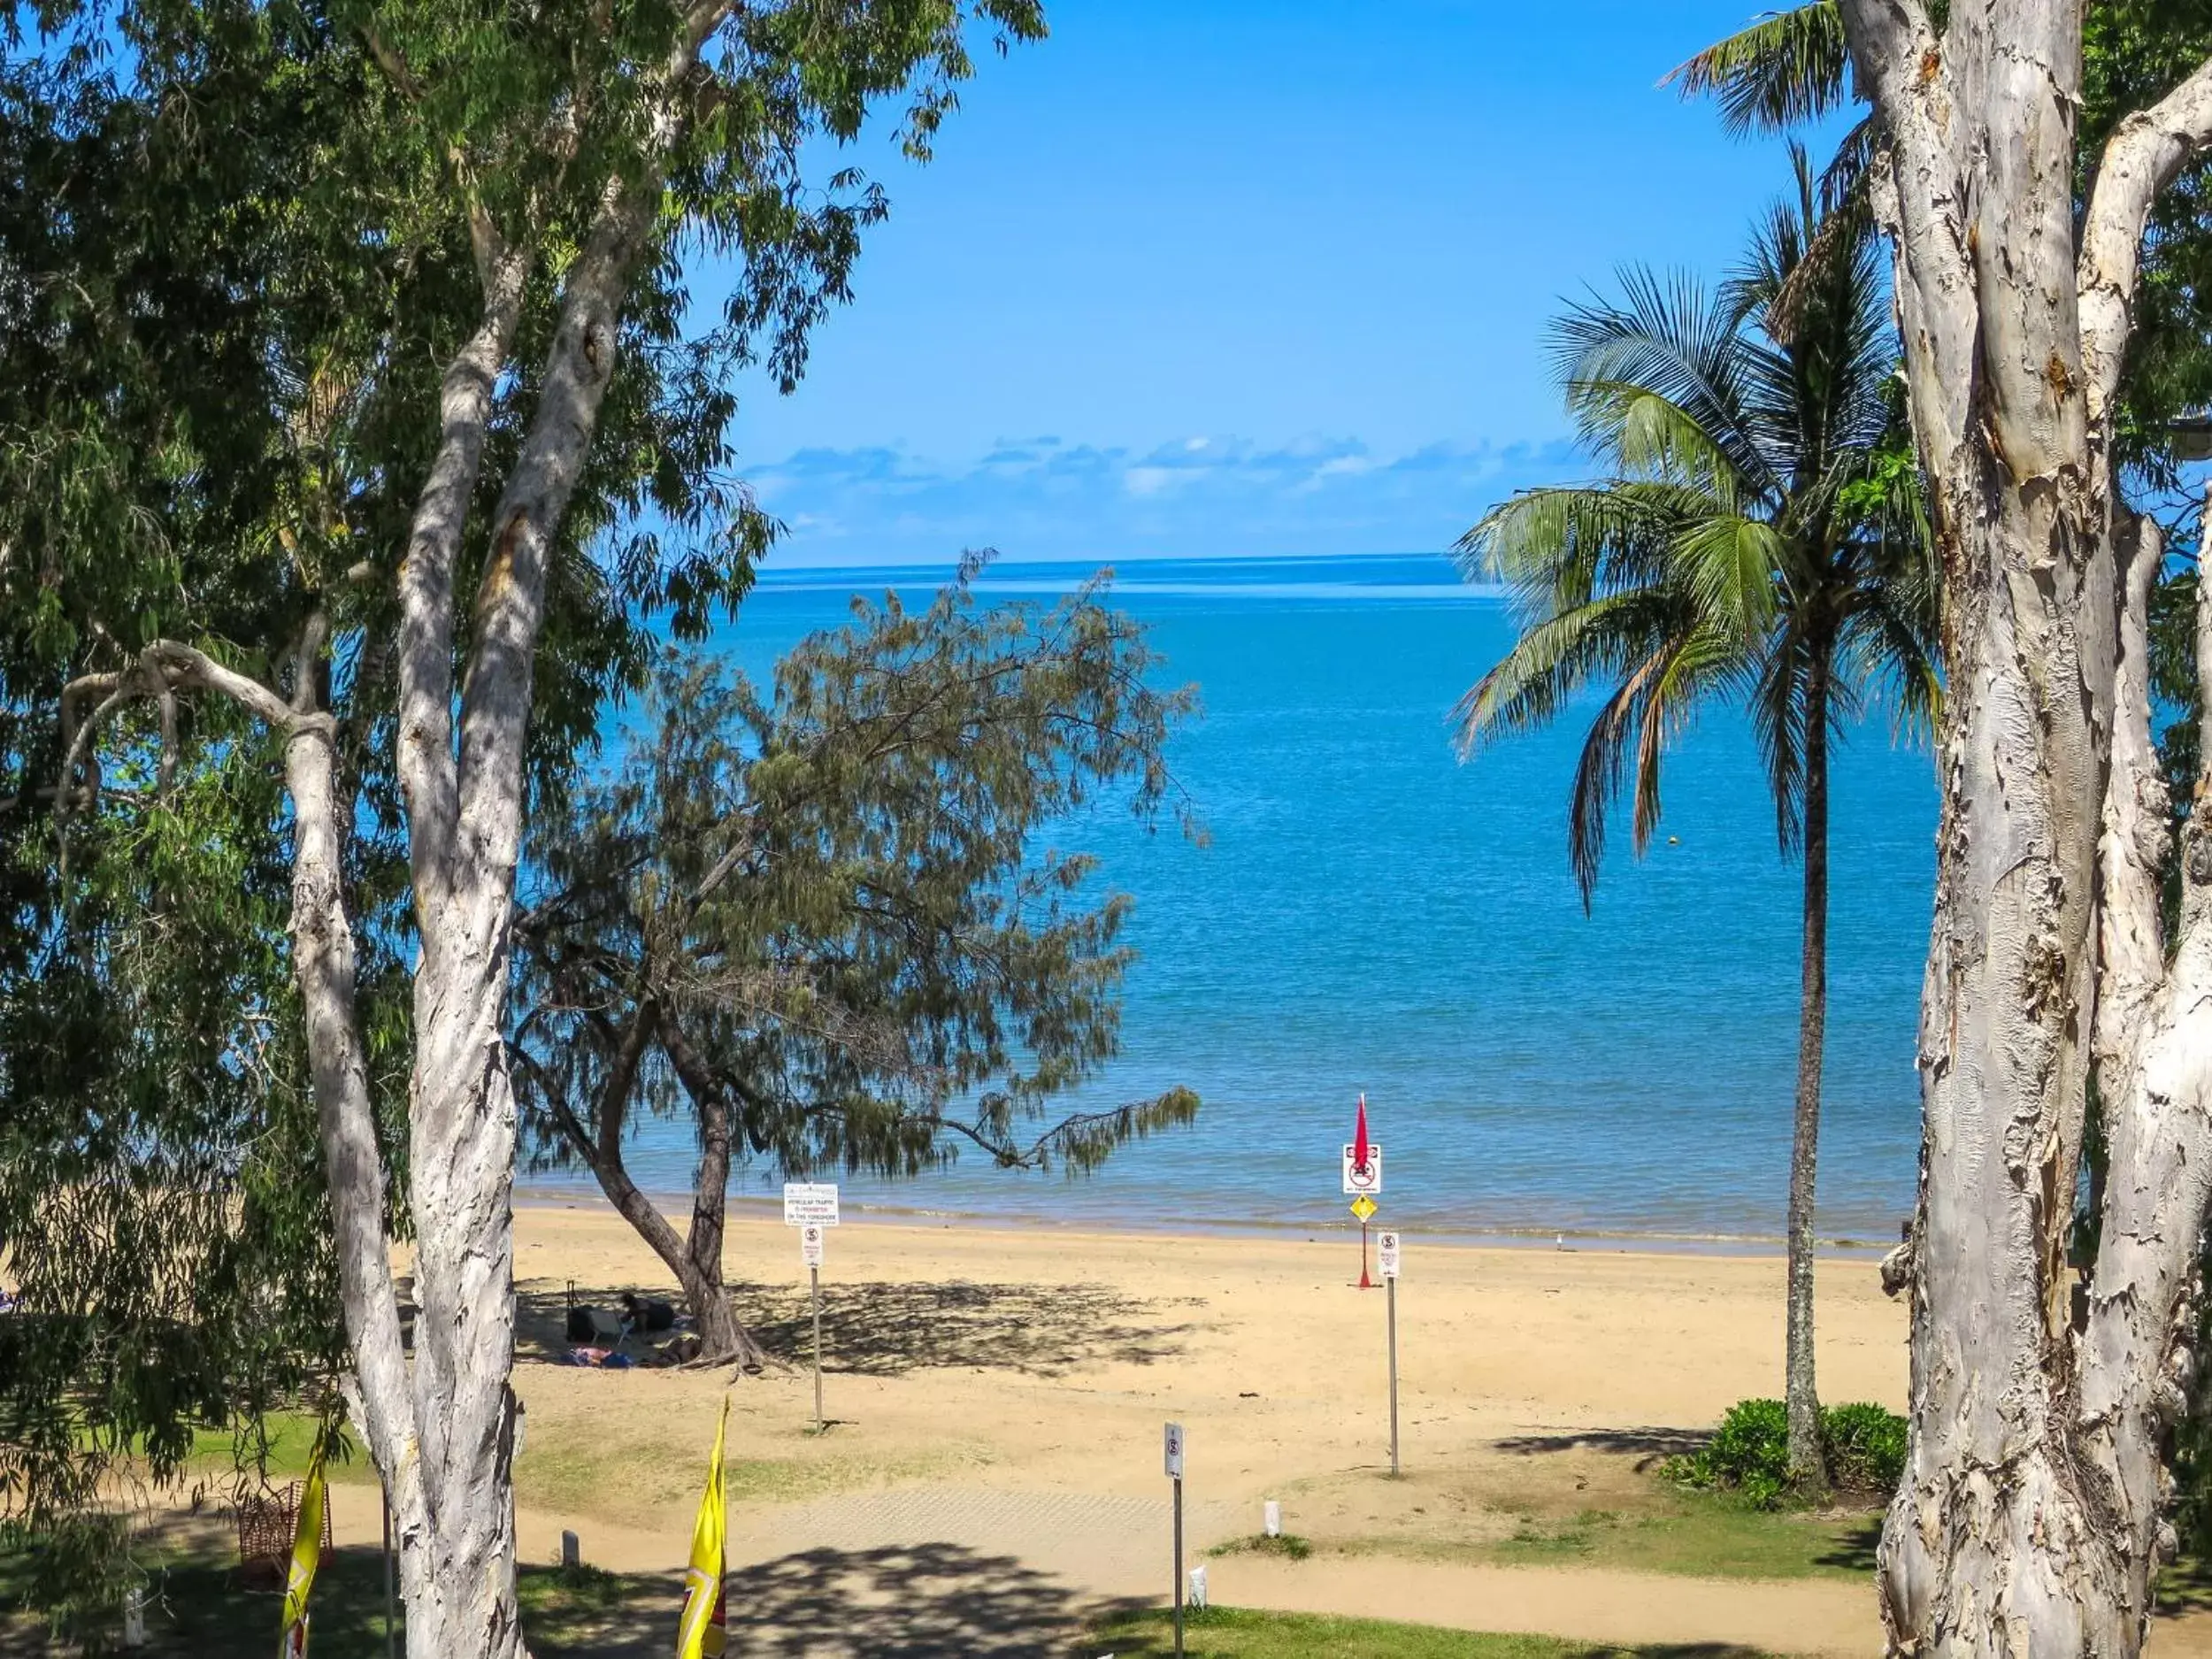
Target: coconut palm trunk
<point>1808,1470</point>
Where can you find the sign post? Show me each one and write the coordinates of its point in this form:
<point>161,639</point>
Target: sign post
<point>1174,1459</point>
<point>1362,1183</point>
<point>811,1207</point>
<point>1389,1262</point>
<point>811,1251</point>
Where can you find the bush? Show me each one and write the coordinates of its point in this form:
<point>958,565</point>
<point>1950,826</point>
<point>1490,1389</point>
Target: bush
<point>1863,1446</point>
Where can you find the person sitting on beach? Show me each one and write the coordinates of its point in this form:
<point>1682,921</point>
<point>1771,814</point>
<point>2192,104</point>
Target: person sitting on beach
<point>641,1314</point>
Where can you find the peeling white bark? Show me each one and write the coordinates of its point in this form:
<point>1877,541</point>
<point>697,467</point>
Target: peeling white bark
<point>2028,1518</point>
<point>442,1429</point>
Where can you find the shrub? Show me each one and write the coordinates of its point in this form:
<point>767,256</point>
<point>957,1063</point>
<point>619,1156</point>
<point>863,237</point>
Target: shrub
<point>1863,1446</point>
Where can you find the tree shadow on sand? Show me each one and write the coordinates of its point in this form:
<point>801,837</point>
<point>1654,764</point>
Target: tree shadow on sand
<point>1646,1446</point>
<point>885,1330</point>
<point>882,1330</point>
<point>918,1601</point>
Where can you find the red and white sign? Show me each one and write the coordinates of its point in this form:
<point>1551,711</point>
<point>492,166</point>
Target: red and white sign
<point>1362,1159</point>
<point>1363,1178</point>
<point>813,1238</point>
<point>809,1202</point>
<point>1386,1254</point>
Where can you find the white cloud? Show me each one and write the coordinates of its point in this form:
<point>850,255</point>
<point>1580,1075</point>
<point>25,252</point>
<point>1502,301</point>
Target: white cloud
<point>1040,497</point>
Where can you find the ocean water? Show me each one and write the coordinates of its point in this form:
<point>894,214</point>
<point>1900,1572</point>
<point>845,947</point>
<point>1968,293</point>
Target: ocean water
<point>1372,915</point>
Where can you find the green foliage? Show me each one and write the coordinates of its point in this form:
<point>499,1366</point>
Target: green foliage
<point>238,245</point>
<point>1781,72</point>
<point>1863,1446</point>
<point>1287,1546</point>
<point>829,906</point>
<point>1758,537</point>
<point>1792,68</point>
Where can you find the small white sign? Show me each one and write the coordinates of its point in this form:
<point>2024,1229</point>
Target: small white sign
<point>810,1203</point>
<point>811,1238</point>
<point>1363,1178</point>
<point>1386,1253</point>
<point>1174,1451</point>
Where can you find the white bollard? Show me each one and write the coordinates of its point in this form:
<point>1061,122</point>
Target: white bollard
<point>1272,1518</point>
<point>1198,1589</point>
<point>135,1619</point>
<point>572,1551</point>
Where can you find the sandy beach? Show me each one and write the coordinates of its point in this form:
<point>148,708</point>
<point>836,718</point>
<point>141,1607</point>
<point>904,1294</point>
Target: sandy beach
<point>990,1479</point>
<point>997,1396</point>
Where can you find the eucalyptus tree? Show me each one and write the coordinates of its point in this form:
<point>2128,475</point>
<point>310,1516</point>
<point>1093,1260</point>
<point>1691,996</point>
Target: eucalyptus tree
<point>1757,541</point>
<point>1791,69</point>
<point>2032,1510</point>
<point>474,352</point>
<point>819,921</point>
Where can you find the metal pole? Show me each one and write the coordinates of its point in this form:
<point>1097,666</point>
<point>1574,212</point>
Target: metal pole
<point>1391,1292</point>
<point>390,1620</point>
<point>1178,1567</point>
<point>815,1274</point>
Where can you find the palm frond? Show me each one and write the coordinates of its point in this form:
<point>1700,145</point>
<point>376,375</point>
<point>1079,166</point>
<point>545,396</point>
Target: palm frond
<point>1761,532</point>
<point>1668,338</point>
<point>1556,548</point>
<point>1728,563</point>
<point>1554,659</point>
<point>1786,69</point>
<point>1645,712</point>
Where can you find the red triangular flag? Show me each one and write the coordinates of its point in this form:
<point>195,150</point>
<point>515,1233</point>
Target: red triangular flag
<point>1359,1137</point>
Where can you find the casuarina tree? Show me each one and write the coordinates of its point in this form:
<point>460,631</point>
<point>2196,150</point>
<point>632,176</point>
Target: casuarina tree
<point>1757,542</point>
<point>823,921</point>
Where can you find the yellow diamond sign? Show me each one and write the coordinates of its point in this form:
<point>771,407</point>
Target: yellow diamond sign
<point>1364,1206</point>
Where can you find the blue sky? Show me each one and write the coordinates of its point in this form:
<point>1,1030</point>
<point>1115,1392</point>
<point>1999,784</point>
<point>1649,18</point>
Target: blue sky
<point>1222,279</point>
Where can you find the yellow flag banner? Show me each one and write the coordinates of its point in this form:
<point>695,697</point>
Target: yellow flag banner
<point>704,1629</point>
<point>307,1554</point>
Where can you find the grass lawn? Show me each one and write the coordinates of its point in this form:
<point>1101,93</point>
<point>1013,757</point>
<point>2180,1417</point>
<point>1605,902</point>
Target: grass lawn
<point>201,1608</point>
<point>1610,1518</point>
<point>1707,1535</point>
<point>1233,1633</point>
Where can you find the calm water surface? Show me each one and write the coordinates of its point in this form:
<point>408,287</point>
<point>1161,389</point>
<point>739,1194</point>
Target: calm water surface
<point>1372,915</point>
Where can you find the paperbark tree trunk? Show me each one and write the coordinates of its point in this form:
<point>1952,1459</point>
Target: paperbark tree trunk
<point>442,1430</point>
<point>2028,1518</point>
<point>1808,1469</point>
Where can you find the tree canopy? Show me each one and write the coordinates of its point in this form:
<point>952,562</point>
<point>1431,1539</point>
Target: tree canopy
<point>818,919</point>
<point>279,285</point>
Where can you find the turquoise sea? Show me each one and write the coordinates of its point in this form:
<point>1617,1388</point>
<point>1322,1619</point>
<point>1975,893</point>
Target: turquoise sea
<point>1373,915</point>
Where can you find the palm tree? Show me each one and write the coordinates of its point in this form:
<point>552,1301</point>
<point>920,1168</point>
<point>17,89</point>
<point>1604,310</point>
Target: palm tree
<point>1777,74</point>
<point>1757,540</point>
